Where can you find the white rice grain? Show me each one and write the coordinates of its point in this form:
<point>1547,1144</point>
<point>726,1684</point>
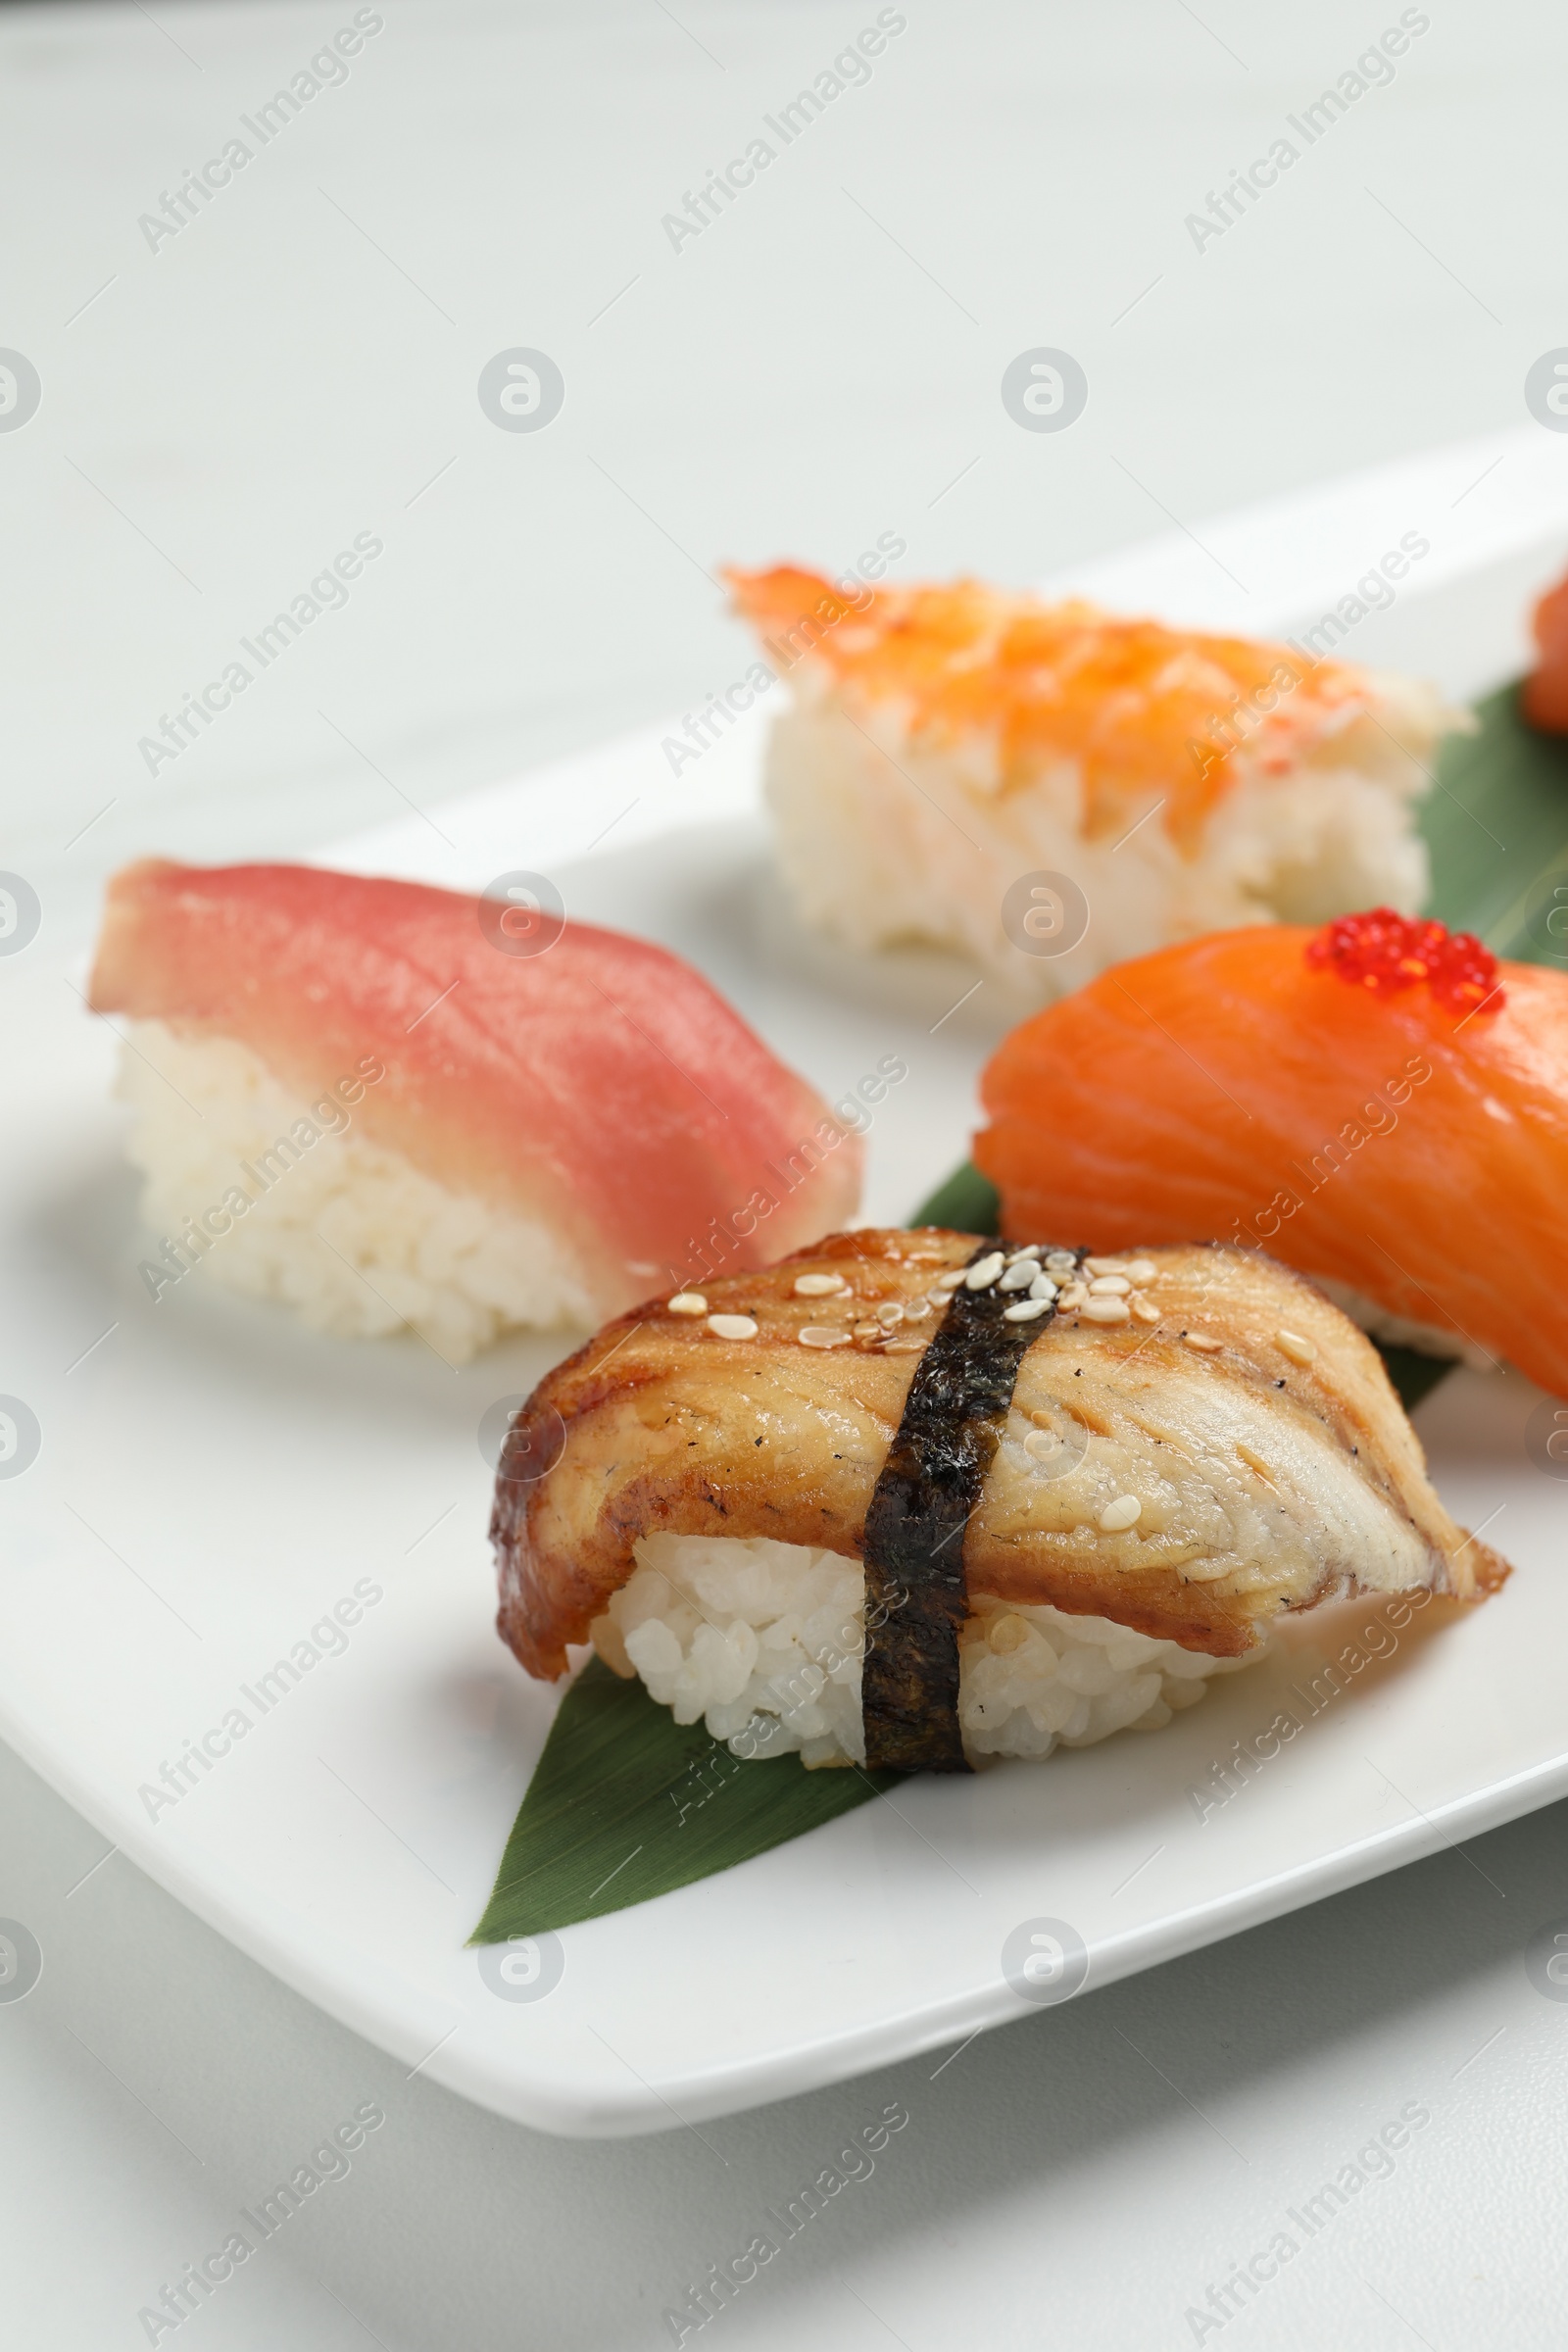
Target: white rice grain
<point>764,1643</point>
<point>865,821</point>
<point>352,1235</point>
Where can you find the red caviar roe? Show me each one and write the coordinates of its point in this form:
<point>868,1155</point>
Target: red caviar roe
<point>1385,952</point>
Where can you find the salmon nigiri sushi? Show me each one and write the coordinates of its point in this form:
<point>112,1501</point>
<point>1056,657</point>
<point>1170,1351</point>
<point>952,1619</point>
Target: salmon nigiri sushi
<point>1050,789</point>
<point>1545,695</point>
<point>1380,1103</point>
<point>391,1105</point>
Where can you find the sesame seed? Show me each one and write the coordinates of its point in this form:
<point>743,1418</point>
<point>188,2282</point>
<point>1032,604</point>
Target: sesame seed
<point>1027,1310</point>
<point>1060,1261</point>
<point>687,1302</point>
<point>910,1346</point>
<point>950,1280</point>
<point>983,1274</point>
<point>818,1285</point>
<point>1020,1274</point>
<point>915,1310</point>
<point>1125,1511</point>
<point>822,1334</point>
<point>1110,1285</point>
<point>1104,1265</point>
<point>1292,1343</point>
<point>1041,1287</point>
<point>1073,1295</point>
<point>732,1327</point>
<point>1104,1310</point>
<point>889,1313</point>
<point>1024,1250</point>
<point>1144,1308</point>
<point>1141,1269</point>
<point>868,1331</point>
<point>1202,1341</point>
<point>1009,1632</point>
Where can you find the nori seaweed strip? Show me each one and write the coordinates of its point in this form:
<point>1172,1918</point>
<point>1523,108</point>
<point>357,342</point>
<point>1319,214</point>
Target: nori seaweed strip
<point>916,1592</point>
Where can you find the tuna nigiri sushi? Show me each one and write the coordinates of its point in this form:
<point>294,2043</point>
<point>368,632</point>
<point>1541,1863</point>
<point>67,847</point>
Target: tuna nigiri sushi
<point>1379,1103</point>
<point>956,754</point>
<point>914,1501</point>
<point>355,1095</point>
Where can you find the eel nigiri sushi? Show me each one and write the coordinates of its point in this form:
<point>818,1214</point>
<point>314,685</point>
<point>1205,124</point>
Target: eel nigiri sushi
<point>953,754</point>
<point>348,1096</point>
<point>1381,1104</point>
<point>913,1498</point>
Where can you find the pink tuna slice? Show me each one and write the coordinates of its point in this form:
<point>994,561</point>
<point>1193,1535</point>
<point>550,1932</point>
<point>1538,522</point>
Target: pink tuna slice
<point>602,1087</point>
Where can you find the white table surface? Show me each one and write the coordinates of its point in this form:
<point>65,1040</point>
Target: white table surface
<point>298,366</point>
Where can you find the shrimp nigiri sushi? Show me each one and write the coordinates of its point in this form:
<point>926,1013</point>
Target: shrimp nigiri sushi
<point>1048,789</point>
<point>1380,1103</point>
<point>359,1096</point>
<point>914,1501</point>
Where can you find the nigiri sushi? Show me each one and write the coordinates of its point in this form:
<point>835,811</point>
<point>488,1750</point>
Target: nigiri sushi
<point>1048,789</point>
<point>1379,1103</point>
<point>912,1499</point>
<point>1544,697</point>
<point>348,1096</point>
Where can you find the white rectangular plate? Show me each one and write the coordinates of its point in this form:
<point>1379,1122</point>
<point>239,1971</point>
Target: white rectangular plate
<point>212,1479</point>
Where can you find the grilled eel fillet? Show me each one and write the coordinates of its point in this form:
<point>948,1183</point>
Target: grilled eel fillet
<point>1273,1462</point>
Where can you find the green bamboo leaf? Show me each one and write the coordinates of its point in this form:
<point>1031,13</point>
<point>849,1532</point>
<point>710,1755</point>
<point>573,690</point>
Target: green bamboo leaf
<point>1497,828</point>
<point>626,1803</point>
<point>965,1200</point>
<point>1412,1374</point>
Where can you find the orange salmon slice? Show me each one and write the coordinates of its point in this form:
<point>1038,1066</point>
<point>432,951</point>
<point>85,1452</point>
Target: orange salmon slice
<point>1226,1090</point>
